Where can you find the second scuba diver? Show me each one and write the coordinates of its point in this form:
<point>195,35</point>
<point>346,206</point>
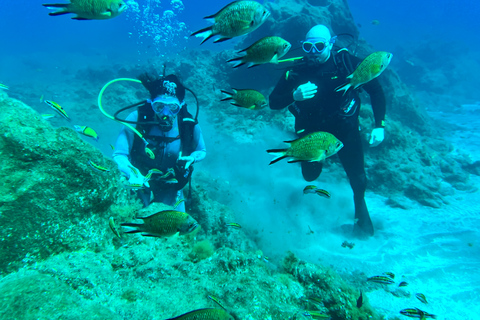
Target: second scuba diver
<point>173,136</point>
<point>308,89</point>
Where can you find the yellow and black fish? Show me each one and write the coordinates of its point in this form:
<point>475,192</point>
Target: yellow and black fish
<point>86,131</point>
<point>381,279</point>
<point>417,313</point>
<point>89,9</point>
<point>390,274</point>
<point>204,314</point>
<point>315,315</point>
<point>2,86</point>
<point>113,227</point>
<point>233,20</point>
<point>164,224</point>
<point>403,284</point>
<point>58,108</point>
<point>316,146</point>
<point>246,98</point>
<point>233,225</point>
<point>315,190</point>
<point>421,297</point>
<point>96,167</point>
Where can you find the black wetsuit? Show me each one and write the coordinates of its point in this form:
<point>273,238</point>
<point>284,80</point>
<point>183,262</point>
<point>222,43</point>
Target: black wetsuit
<point>333,112</point>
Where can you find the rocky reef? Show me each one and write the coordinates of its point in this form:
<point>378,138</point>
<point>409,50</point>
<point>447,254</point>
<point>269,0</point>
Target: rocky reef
<point>60,259</point>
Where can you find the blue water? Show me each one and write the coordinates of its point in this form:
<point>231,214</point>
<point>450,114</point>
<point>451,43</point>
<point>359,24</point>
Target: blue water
<point>35,45</point>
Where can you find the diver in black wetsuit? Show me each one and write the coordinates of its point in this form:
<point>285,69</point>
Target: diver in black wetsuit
<point>308,89</point>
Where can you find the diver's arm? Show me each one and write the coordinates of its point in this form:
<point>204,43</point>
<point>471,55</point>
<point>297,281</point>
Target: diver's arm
<point>377,97</point>
<point>200,151</point>
<point>282,95</point>
<point>123,146</point>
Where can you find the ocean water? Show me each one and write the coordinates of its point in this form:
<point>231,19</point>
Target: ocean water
<point>436,250</point>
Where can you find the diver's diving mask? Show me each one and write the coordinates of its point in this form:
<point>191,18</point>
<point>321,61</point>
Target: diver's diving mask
<point>166,109</point>
<point>317,45</point>
<point>166,105</point>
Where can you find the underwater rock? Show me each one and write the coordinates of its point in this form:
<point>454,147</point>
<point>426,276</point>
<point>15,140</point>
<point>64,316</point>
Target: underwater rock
<point>32,295</point>
<point>50,197</point>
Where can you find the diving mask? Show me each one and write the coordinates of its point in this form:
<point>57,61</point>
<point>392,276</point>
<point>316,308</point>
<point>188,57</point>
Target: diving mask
<point>166,106</point>
<point>317,45</point>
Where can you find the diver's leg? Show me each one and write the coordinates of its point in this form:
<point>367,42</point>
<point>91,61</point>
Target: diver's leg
<point>352,160</point>
<point>311,170</point>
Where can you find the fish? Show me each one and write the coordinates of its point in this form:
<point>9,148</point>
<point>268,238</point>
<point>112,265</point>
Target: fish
<point>417,313</point>
<point>96,167</point>
<point>215,299</point>
<point>164,224</point>
<point>390,274</point>
<point>346,244</point>
<point>113,227</point>
<point>370,68</point>
<point>204,314</point>
<point>178,203</point>
<point>89,9</point>
<point>314,189</point>
<point>315,315</point>
<point>265,50</point>
<point>233,225</point>
<point>2,86</point>
<point>315,300</point>
<point>360,300</point>
<point>381,279</point>
<point>86,131</point>
<point>134,186</point>
<point>233,20</point>
<point>403,284</point>
<point>246,98</point>
<point>112,147</point>
<point>421,297</point>
<point>55,106</point>
<point>315,146</point>
<point>375,22</point>
<point>134,170</point>
<point>41,98</point>
<point>47,116</point>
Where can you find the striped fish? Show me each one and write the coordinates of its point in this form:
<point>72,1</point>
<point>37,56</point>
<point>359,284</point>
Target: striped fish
<point>58,108</point>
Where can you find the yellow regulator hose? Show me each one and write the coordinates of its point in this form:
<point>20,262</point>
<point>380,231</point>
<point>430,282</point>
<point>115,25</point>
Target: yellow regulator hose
<point>147,150</point>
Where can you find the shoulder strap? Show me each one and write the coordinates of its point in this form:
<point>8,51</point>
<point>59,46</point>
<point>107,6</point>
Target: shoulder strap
<point>186,126</point>
<point>343,62</point>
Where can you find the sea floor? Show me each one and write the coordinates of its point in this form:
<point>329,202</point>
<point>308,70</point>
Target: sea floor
<point>437,251</point>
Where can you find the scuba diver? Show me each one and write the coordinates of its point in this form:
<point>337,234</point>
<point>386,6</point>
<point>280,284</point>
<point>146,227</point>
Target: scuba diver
<point>174,139</point>
<point>308,89</point>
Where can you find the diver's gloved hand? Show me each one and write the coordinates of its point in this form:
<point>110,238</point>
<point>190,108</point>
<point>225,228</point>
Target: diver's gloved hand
<point>377,136</point>
<point>189,160</point>
<point>305,91</point>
